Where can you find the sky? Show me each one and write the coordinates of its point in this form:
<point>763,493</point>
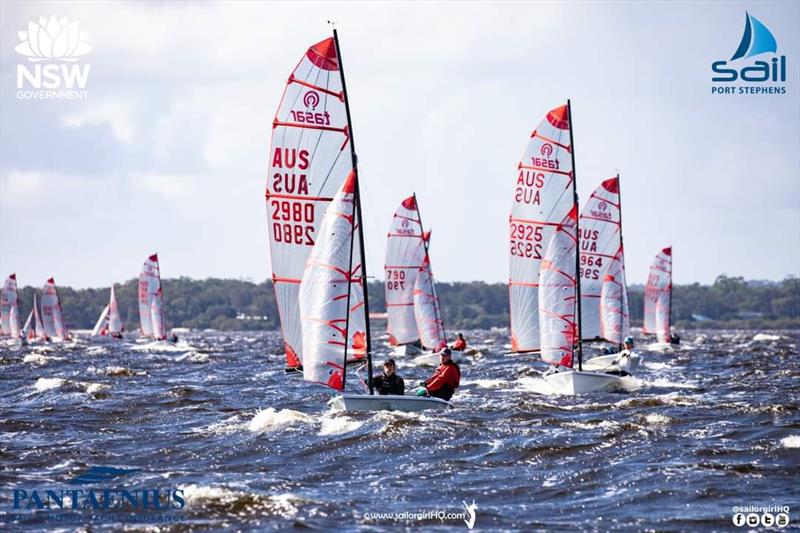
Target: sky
<point>168,152</point>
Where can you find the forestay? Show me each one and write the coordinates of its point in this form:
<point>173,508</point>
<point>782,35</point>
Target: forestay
<point>426,309</point>
<point>405,254</point>
<point>558,295</point>
<point>52,316</point>
<point>600,240</point>
<point>325,297</point>
<point>614,317</point>
<point>658,296</point>
<point>309,160</point>
<point>543,197</point>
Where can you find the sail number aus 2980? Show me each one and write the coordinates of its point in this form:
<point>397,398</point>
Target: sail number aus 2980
<point>294,222</point>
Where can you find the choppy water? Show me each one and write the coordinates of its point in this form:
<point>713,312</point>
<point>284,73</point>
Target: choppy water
<point>705,427</point>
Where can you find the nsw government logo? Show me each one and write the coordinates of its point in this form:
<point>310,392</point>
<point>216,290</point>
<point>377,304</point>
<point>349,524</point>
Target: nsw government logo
<point>53,48</point>
<point>743,73</point>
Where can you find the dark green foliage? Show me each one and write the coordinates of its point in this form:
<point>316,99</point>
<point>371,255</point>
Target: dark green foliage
<point>227,304</point>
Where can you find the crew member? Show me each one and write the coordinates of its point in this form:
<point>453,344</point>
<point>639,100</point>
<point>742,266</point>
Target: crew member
<point>623,360</point>
<point>460,343</point>
<point>389,382</point>
<point>444,381</point>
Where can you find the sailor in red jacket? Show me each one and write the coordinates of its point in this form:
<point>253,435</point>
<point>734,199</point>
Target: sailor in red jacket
<point>460,343</point>
<point>444,382</point>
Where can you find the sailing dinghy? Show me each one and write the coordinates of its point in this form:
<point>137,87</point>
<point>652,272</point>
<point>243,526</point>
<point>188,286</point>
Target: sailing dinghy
<point>9,312</point>
<point>34,327</point>
<point>52,317</point>
<point>557,285</point>
<point>332,296</point>
<point>658,298</point>
<point>604,293</point>
<point>151,305</point>
<point>109,325</point>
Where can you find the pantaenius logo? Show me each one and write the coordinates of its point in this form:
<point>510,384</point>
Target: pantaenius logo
<point>757,74</point>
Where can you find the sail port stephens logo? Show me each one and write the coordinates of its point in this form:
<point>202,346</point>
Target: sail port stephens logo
<point>742,75</point>
<point>53,47</point>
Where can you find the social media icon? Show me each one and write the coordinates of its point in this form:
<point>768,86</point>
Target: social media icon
<point>767,520</point>
<point>738,519</point>
<point>753,519</point>
<point>782,520</point>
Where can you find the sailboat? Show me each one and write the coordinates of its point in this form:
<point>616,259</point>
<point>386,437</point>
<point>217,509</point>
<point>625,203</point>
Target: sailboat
<point>9,311</point>
<point>558,285</point>
<point>405,253</point>
<point>52,316</point>
<point>34,327</point>
<point>109,325</point>
<point>604,293</point>
<point>658,298</point>
<point>151,306</point>
<point>309,161</point>
<point>332,295</point>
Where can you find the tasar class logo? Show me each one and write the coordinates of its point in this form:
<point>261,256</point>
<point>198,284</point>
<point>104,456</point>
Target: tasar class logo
<point>53,47</point>
<point>765,75</point>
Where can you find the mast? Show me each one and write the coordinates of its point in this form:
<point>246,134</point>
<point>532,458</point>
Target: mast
<point>577,239</point>
<point>622,248</point>
<point>357,199</point>
<point>437,307</point>
<point>671,268</point>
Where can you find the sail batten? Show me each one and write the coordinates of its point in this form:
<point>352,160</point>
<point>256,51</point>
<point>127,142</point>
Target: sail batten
<point>543,197</point>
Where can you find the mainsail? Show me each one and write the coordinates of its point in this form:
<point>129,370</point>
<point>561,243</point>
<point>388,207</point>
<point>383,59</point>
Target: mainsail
<point>28,330</point>
<point>326,302</point>
<point>658,296</point>
<point>33,328</point>
<point>558,287</point>
<point>600,243</point>
<point>151,313</point>
<point>427,311</point>
<point>615,322</point>
<point>101,326</point>
<point>114,318</point>
<point>543,197</point>
<point>310,158</point>
<point>405,253</point>
<point>9,308</point>
<point>52,316</point>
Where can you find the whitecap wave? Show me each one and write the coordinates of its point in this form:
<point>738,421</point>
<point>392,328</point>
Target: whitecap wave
<point>338,425</point>
<point>43,384</point>
<point>766,337</point>
<point>270,419</point>
<point>792,441</point>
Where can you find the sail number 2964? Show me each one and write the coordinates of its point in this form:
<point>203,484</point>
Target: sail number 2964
<point>292,222</point>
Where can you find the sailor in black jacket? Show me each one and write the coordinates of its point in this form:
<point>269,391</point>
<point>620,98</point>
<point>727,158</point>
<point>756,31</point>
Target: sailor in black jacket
<point>389,382</point>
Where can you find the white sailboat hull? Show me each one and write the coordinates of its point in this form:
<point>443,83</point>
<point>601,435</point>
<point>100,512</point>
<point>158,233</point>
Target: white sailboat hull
<point>408,404</point>
<point>604,363</point>
<point>574,382</point>
<point>432,358</point>
<point>406,349</point>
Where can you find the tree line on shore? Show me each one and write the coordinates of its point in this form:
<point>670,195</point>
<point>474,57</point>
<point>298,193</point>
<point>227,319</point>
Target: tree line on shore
<point>231,304</point>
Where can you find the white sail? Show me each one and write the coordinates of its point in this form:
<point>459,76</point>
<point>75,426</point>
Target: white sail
<point>323,294</point>
<point>114,318</point>
<point>38,323</point>
<point>149,285</point>
<point>543,196</point>
<point>405,253</point>
<point>614,317</point>
<point>426,308</point>
<point>658,296</point>
<point>600,240</point>
<point>310,158</point>
<point>558,295</point>
<point>28,331</point>
<point>101,326</point>
<point>9,308</point>
<point>52,317</point>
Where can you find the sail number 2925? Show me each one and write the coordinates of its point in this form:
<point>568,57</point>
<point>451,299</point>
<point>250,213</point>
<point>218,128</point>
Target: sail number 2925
<point>292,222</point>
<point>526,241</point>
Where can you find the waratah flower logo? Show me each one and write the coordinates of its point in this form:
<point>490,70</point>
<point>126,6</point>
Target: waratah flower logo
<point>53,39</point>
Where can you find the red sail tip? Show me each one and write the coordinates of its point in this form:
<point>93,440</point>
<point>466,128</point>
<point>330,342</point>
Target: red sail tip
<point>410,203</point>
<point>13,276</point>
<point>154,257</point>
<point>349,185</point>
<point>612,185</point>
<point>323,55</point>
<point>51,280</point>
<point>426,236</point>
<point>573,213</point>
<point>667,250</point>
<point>559,117</point>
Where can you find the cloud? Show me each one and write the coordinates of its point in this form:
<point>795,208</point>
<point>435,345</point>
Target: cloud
<point>168,186</point>
<point>118,116</point>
